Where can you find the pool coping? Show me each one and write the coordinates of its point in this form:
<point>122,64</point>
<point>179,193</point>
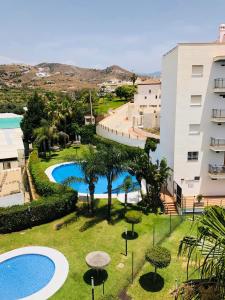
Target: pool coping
<point>119,196</point>
<point>61,269</point>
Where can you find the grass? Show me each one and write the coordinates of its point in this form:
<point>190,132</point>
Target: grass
<point>104,105</point>
<point>144,287</point>
<point>99,235</point>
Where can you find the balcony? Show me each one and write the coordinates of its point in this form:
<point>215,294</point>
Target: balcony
<point>217,172</point>
<point>218,115</point>
<point>217,145</point>
<point>219,85</point>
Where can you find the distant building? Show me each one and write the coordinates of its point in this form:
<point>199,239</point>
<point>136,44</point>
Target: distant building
<point>12,160</point>
<point>145,111</point>
<point>192,127</point>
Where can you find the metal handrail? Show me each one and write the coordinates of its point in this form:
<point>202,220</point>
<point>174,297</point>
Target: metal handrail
<point>219,83</point>
<point>216,169</point>
<point>217,142</point>
<point>218,113</point>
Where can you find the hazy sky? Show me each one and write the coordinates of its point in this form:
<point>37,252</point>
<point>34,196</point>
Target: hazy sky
<point>98,33</point>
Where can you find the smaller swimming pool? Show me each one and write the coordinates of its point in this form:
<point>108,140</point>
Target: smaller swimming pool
<point>10,123</point>
<point>31,273</point>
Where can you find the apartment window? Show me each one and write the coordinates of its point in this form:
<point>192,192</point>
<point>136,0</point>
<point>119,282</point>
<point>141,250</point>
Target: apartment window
<point>6,165</point>
<point>145,97</point>
<point>192,155</point>
<point>156,96</point>
<point>196,100</point>
<point>197,178</point>
<point>194,129</point>
<point>150,91</point>
<point>197,70</point>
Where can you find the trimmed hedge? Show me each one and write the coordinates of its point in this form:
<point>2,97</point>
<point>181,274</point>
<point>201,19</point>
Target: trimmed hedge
<point>42,211</point>
<point>41,181</point>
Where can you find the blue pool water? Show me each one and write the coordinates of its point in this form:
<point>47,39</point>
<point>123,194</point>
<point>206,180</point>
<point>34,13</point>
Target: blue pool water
<point>64,171</point>
<point>10,123</point>
<point>24,275</point>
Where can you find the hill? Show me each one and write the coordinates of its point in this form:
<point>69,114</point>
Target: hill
<point>58,77</point>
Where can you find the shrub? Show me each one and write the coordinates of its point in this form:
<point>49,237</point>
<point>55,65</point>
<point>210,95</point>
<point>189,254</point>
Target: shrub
<point>44,210</point>
<point>41,181</point>
<point>159,257</point>
<point>133,217</point>
<point>87,132</point>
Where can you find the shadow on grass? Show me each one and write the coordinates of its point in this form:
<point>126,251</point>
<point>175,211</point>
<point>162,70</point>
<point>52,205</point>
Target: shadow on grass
<point>130,235</point>
<point>99,276</point>
<point>151,282</point>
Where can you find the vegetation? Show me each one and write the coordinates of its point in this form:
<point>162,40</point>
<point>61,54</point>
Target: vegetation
<point>133,217</point>
<point>127,186</point>
<point>126,92</point>
<point>133,78</point>
<point>207,249</point>
<point>100,235</point>
<point>44,210</point>
<point>159,257</point>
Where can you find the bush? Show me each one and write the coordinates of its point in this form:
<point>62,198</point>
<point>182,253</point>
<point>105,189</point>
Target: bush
<point>158,256</point>
<point>133,217</point>
<point>87,133</point>
<point>44,210</point>
<point>41,181</point>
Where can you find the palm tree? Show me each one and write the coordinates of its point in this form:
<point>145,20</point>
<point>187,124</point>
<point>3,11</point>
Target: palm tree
<point>208,250</point>
<point>44,136</point>
<point>89,168</point>
<point>126,186</point>
<point>133,78</point>
<point>110,163</point>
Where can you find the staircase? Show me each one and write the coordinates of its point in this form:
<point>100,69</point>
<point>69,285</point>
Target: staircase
<point>169,204</point>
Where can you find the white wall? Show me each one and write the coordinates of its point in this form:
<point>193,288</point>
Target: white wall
<point>119,137</point>
<point>15,199</point>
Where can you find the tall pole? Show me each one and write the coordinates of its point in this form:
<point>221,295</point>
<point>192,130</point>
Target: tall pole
<point>132,266</point>
<point>126,242</point>
<point>91,108</point>
<point>92,289</point>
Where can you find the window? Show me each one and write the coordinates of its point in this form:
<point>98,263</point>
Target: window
<point>194,129</point>
<point>6,165</point>
<point>150,91</point>
<point>192,155</point>
<point>197,178</point>
<point>145,97</point>
<point>196,100</point>
<point>156,96</point>
<point>197,70</point>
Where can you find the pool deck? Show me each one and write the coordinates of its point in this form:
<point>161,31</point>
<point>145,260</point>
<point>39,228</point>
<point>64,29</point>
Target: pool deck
<point>61,269</point>
<point>132,197</point>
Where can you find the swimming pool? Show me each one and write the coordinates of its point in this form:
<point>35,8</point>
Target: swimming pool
<point>9,123</point>
<point>59,173</point>
<point>31,273</point>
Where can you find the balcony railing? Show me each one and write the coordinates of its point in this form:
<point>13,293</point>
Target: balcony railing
<point>216,170</point>
<point>217,142</point>
<point>218,114</point>
<point>219,83</point>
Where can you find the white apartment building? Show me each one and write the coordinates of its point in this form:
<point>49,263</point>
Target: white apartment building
<point>192,124</point>
<point>145,110</point>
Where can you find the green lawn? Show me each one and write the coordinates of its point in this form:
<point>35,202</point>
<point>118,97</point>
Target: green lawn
<point>144,288</point>
<point>100,236</point>
<point>105,104</point>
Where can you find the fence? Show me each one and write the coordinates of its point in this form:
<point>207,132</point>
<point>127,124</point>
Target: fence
<point>120,137</point>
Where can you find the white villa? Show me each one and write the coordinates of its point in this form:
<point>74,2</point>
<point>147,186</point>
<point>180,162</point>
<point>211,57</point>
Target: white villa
<point>12,160</point>
<point>192,124</point>
<point>145,111</point>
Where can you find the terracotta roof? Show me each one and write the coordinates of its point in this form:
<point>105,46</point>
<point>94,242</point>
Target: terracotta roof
<point>149,81</point>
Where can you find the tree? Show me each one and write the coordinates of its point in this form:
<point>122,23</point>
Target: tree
<point>133,78</point>
<point>111,160</point>
<point>150,145</point>
<point>89,167</point>
<point>133,217</point>
<point>126,187</point>
<point>44,136</point>
<point>33,116</point>
<point>207,249</point>
<point>125,91</point>
<point>158,257</point>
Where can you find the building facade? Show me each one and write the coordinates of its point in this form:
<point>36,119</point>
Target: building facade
<point>192,124</point>
<point>145,110</point>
